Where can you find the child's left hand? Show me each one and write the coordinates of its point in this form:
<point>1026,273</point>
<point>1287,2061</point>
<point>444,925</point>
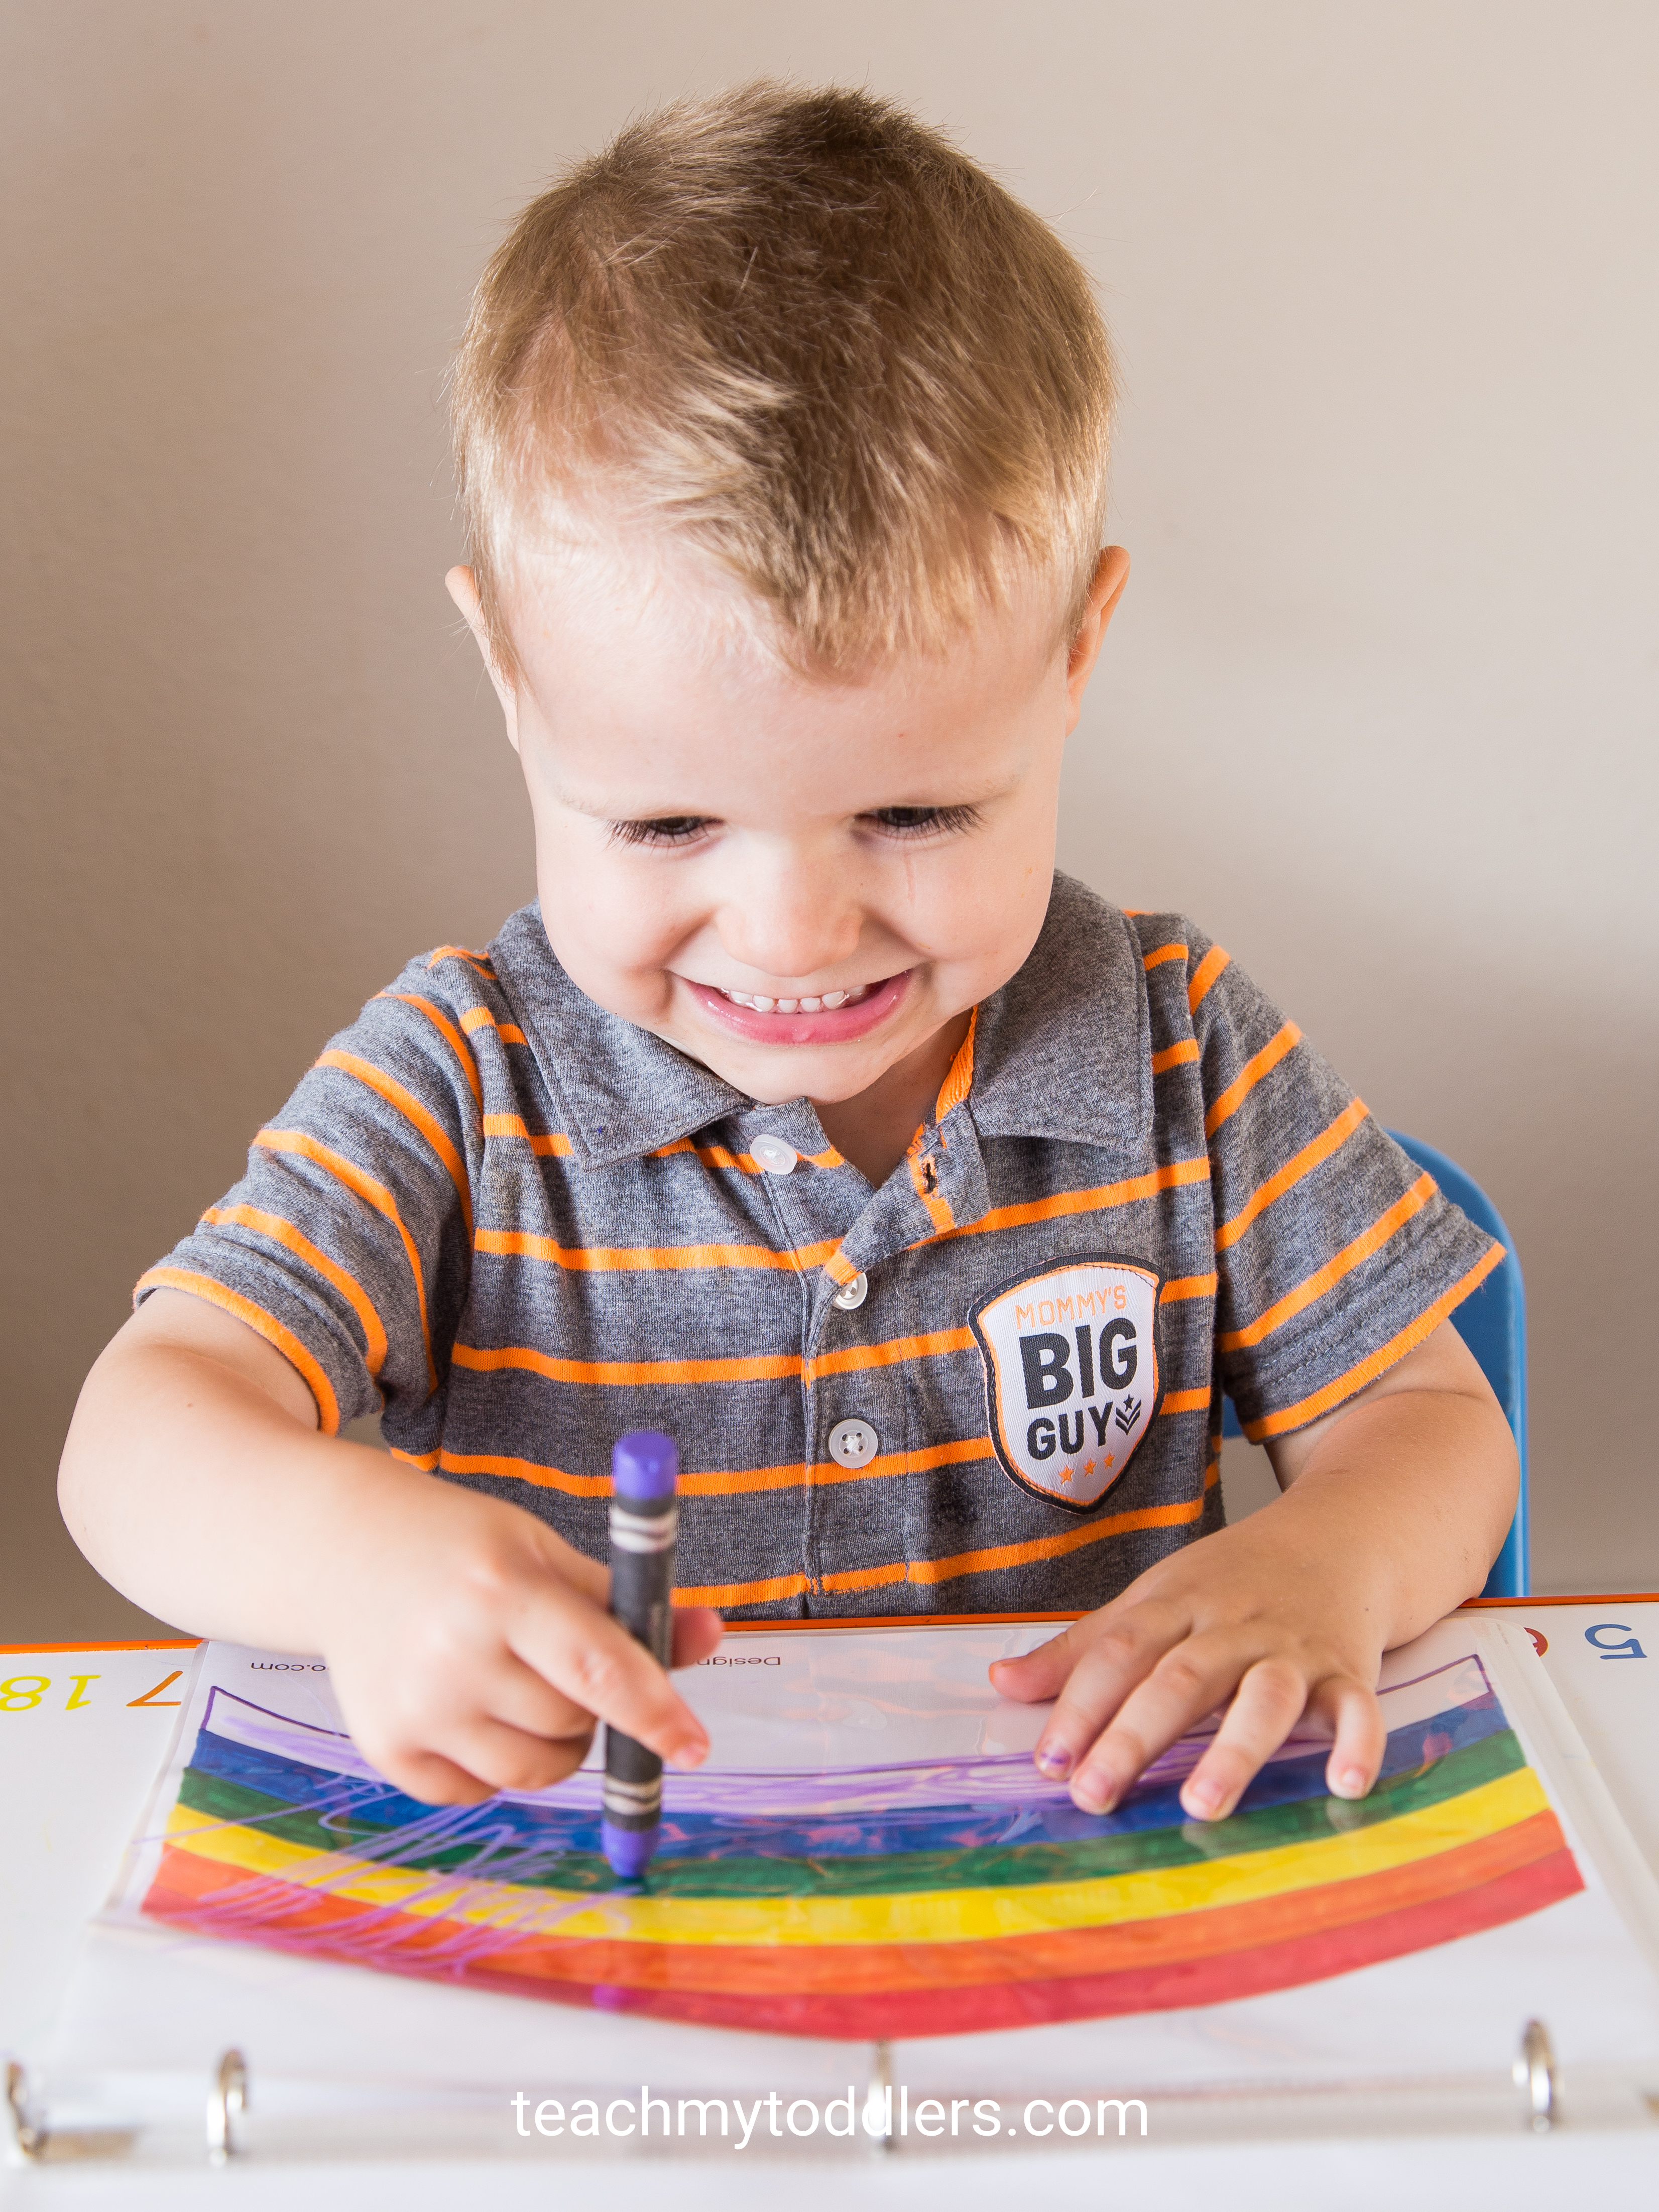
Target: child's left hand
<point>1393,1508</point>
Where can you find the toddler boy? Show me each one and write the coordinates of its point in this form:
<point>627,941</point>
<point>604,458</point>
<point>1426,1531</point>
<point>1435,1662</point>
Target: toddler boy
<point>930,1202</point>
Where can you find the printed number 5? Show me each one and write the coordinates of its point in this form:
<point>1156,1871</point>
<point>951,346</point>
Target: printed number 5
<point>1630,1649</point>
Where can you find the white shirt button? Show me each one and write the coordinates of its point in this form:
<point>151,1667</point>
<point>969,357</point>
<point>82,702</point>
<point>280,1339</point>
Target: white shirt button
<point>851,1296</point>
<point>853,1444</point>
<point>775,1156</point>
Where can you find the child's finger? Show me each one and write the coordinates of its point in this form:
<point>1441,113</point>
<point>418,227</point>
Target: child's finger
<point>1122,1654</point>
<point>427,1775</point>
<point>520,1699</point>
<point>1187,1682</point>
<point>503,1758</point>
<point>1361,1737</point>
<point>1043,1673</point>
<point>697,1629</point>
<point>594,1661</point>
<point>1271,1698</point>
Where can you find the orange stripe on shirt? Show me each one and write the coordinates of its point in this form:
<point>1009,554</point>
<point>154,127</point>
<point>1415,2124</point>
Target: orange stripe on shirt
<point>725,1482</point>
<point>264,1324</point>
<point>1203,976</point>
<point>284,1233</point>
<point>1185,1402</point>
<point>1188,1287</point>
<point>897,1349</point>
<point>395,1094</point>
<point>923,1167</point>
<point>1285,1178</point>
<point>1096,1200</point>
<point>727,1593</point>
<point>623,1259</point>
<point>1250,1075</point>
<point>960,1080</point>
<point>480,1018</point>
<point>1367,1370</point>
<point>1002,1556</point>
<point>515,1470</point>
<point>1175,1055</point>
<point>546,1144</point>
<point>474,960</point>
<point>364,1185</point>
<point>1326,1278</point>
<point>761,1367</point>
<point>450,1036</point>
<point>717,1155</point>
<point>1164,953</point>
<point>821,1473</point>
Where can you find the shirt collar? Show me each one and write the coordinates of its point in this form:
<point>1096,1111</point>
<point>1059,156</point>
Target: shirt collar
<point>1062,1051</point>
<point>619,1091</point>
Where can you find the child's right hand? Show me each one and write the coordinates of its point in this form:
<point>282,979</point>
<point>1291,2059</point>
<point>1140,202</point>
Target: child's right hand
<point>470,1646</point>
<point>471,1649</point>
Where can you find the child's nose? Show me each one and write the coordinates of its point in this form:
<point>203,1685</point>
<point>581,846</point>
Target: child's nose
<point>791,918</point>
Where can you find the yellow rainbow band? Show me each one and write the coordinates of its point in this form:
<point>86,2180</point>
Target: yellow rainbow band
<point>944,1916</point>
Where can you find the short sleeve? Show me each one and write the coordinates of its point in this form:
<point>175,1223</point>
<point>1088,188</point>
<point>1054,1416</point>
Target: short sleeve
<point>347,1243</point>
<point>1335,1253</point>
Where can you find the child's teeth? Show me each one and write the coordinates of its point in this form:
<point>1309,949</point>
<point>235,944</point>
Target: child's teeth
<point>826,1002</point>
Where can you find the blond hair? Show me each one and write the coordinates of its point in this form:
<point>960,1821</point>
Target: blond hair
<point>803,333</point>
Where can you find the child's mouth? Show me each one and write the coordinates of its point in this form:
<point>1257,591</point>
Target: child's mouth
<point>830,1018</point>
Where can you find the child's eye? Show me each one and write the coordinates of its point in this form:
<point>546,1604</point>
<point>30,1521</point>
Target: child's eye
<point>667,830</point>
<point>924,821</point>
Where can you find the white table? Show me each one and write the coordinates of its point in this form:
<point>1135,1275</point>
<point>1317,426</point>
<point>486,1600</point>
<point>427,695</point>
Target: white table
<point>81,1733</point>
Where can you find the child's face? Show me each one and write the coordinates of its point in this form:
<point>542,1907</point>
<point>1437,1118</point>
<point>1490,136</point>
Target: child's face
<point>798,884</point>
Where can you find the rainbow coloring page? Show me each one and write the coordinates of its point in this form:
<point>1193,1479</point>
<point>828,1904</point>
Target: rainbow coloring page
<point>869,1854</point>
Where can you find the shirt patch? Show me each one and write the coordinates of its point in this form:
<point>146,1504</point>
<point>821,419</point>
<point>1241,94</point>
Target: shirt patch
<point>1072,1373</point>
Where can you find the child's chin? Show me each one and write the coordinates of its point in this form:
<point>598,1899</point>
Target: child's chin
<point>776,1077</point>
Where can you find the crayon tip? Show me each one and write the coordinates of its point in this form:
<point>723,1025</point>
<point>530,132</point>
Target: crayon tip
<point>644,1464</point>
<point>628,1851</point>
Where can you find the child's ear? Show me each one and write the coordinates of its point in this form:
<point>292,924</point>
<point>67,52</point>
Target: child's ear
<point>463,587</point>
<point>1111,575</point>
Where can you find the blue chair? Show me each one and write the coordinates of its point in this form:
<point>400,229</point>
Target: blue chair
<point>1492,1322</point>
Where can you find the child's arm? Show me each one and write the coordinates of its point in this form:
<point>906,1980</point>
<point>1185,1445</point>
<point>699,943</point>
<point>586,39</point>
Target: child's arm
<point>468,1645</point>
<point>1393,1507</point>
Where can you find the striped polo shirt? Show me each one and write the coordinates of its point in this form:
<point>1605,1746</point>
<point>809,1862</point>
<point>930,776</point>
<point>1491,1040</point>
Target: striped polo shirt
<point>517,1225</point>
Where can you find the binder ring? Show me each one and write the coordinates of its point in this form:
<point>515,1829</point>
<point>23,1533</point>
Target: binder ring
<point>227,2102</point>
<point>1534,2076</point>
<point>30,2140</point>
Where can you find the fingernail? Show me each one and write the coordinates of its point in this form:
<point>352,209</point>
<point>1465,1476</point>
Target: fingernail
<point>1093,1793</point>
<point>1203,1798</point>
<point>1351,1782</point>
<point>690,1750</point>
<point>1053,1758</point>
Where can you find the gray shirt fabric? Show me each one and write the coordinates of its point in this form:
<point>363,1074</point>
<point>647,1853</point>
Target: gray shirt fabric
<point>522,1225</point>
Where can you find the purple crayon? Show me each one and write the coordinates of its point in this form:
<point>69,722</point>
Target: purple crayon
<point>644,1518</point>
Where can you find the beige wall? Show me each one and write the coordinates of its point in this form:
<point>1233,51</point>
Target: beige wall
<point>1380,708</point>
